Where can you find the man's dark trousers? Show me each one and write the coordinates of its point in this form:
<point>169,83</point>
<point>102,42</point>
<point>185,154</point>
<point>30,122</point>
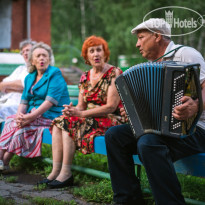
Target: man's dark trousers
<point>157,154</point>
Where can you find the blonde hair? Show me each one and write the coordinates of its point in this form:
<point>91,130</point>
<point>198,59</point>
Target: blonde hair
<point>31,67</point>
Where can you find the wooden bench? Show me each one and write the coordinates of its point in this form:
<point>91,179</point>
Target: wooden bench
<point>193,165</point>
<point>7,69</point>
<point>73,93</point>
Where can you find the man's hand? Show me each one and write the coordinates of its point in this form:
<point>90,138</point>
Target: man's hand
<point>11,86</point>
<point>123,113</point>
<point>2,87</point>
<point>187,109</point>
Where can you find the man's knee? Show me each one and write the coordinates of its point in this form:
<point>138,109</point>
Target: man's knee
<point>146,142</point>
<point>120,136</point>
<point>110,134</point>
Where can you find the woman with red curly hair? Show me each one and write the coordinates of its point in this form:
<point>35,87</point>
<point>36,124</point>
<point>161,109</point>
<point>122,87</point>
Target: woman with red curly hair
<point>97,110</point>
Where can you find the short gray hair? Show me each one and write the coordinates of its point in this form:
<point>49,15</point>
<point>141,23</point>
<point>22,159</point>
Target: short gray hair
<point>26,42</point>
<point>31,67</point>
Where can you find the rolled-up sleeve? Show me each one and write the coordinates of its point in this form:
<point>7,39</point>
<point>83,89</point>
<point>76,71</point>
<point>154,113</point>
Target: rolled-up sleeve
<point>56,88</point>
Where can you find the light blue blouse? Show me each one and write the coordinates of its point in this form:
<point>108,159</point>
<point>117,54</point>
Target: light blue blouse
<point>51,87</point>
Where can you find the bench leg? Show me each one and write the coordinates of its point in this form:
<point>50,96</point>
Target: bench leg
<point>138,171</point>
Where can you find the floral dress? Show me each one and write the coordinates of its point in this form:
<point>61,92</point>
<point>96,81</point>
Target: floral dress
<point>83,130</point>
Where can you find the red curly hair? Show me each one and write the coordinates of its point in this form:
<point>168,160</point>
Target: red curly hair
<point>94,41</point>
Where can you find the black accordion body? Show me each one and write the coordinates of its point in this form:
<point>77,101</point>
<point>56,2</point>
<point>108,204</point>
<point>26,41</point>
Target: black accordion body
<point>150,91</point>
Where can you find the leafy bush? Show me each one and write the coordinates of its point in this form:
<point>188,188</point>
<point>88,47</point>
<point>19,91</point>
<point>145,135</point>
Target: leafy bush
<point>94,161</point>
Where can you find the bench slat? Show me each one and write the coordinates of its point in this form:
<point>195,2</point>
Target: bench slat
<point>73,93</point>
<point>193,165</point>
<point>7,69</point>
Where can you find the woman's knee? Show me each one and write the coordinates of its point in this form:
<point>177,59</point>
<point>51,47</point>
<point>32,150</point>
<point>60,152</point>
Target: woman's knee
<point>56,131</point>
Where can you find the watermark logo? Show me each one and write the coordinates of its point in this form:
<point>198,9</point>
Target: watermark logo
<point>169,17</point>
<point>182,20</point>
<point>201,21</point>
<point>177,23</point>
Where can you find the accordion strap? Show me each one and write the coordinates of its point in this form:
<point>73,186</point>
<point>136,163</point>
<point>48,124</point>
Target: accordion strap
<point>176,49</point>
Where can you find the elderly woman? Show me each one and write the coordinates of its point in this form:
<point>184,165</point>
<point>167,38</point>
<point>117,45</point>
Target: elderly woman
<point>42,100</point>
<point>97,110</point>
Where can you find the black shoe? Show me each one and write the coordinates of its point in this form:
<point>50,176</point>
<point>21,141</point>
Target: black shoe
<point>120,203</point>
<point>57,184</point>
<point>44,181</point>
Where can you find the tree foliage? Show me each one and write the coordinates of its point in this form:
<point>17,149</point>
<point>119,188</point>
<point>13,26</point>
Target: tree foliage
<point>113,20</point>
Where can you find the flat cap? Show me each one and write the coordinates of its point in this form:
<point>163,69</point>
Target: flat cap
<point>153,25</point>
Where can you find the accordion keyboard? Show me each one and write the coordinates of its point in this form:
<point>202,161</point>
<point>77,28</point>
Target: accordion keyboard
<point>178,86</point>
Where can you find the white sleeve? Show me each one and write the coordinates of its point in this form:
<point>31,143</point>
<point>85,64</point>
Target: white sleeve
<point>13,75</point>
<point>191,55</point>
<point>18,74</point>
<point>24,73</point>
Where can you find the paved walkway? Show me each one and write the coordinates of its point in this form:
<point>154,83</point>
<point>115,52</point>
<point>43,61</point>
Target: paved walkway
<point>20,192</point>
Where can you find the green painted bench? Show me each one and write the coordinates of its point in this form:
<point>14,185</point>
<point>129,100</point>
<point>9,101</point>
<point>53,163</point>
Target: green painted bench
<point>7,69</point>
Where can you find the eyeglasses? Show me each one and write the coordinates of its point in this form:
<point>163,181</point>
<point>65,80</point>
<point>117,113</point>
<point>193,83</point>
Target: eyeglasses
<point>24,51</point>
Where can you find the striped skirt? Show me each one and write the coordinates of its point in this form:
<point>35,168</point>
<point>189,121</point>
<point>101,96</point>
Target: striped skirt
<point>26,141</point>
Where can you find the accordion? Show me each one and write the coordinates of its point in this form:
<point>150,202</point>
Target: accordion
<point>150,92</point>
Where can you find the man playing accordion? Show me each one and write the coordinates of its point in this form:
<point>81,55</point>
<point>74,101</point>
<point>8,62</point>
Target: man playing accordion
<point>157,152</point>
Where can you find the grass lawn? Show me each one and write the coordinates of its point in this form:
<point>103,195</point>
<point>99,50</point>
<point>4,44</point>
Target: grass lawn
<point>99,190</point>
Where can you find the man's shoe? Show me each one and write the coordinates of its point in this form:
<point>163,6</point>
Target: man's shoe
<point>44,181</point>
<point>121,204</point>
<point>57,184</point>
<point>139,201</point>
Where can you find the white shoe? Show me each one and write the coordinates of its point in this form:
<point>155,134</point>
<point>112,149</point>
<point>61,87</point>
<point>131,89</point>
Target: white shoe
<point>1,165</point>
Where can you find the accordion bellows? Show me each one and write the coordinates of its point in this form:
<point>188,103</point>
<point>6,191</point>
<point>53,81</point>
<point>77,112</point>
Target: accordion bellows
<point>150,91</point>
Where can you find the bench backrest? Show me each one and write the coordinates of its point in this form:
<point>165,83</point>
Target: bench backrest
<point>7,69</point>
<point>73,93</point>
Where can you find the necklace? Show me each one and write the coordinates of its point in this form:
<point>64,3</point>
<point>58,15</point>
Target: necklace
<point>98,76</point>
